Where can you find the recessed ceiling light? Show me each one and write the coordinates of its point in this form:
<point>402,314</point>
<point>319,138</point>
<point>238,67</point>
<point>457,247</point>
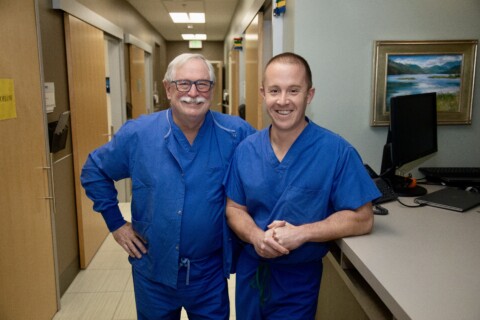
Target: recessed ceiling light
<point>197,17</point>
<point>180,17</point>
<point>183,17</point>
<point>198,36</point>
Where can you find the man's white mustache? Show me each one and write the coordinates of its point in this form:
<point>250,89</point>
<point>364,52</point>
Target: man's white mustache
<point>197,100</point>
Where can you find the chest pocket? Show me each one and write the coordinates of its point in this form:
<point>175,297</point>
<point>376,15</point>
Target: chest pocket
<point>301,205</point>
<point>213,183</point>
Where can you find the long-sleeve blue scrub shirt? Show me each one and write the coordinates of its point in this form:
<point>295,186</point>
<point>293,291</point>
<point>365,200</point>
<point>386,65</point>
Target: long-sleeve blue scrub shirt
<point>177,196</point>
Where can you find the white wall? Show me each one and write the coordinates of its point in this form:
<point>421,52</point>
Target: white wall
<point>337,37</point>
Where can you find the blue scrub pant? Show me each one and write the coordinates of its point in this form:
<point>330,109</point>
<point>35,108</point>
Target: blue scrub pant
<point>202,290</point>
<point>276,291</point>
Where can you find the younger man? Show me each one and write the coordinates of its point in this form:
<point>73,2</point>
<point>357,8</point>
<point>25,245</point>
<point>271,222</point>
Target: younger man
<point>291,189</point>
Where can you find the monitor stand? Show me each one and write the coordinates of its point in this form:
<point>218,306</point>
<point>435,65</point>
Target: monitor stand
<point>401,186</point>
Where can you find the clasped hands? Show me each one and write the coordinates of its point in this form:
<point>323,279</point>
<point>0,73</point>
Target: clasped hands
<point>279,239</point>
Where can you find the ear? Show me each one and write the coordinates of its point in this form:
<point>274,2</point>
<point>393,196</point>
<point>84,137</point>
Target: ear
<point>262,92</point>
<point>167,87</point>
<point>310,95</point>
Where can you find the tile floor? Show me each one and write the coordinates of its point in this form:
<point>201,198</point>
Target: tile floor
<point>105,289</point>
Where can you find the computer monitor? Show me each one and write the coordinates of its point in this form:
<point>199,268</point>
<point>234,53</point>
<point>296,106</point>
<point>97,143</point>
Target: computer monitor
<point>412,135</point>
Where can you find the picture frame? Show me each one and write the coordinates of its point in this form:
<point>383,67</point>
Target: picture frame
<point>409,67</point>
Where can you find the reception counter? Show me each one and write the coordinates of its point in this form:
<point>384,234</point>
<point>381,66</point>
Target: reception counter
<point>418,263</point>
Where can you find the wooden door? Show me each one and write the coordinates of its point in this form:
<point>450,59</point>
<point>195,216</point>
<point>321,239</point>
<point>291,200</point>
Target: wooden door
<point>27,272</point>
<point>88,106</point>
<point>217,101</point>
<point>137,81</point>
<point>253,72</point>
<point>234,74</point>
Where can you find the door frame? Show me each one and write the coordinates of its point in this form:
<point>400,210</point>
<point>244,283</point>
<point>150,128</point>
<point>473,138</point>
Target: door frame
<point>114,55</point>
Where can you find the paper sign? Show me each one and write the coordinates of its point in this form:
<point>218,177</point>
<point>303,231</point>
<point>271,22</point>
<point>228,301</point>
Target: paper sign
<point>49,88</point>
<point>8,109</point>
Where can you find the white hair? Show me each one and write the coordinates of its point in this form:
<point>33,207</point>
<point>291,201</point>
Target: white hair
<point>183,58</point>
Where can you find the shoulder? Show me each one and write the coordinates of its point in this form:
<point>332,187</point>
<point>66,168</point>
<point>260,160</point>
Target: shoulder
<point>232,124</point>
<point>254,141</point>
<point>145,127</point>
<point>146,120</point>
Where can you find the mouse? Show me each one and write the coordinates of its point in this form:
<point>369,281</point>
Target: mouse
<point>378,209</point>
<point>472,189</point>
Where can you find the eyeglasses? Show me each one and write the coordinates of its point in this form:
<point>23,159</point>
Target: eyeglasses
<point>186,85</point>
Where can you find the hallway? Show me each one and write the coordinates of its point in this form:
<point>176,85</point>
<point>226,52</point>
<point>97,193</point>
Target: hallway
<point>104,291</point>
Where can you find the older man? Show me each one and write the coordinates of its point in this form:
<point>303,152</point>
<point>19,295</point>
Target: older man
<point>176,159</point>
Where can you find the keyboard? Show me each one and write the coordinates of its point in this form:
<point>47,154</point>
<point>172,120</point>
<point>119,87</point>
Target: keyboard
<point>452,175</point>
<point>387,191</point>
<point>383,186</point>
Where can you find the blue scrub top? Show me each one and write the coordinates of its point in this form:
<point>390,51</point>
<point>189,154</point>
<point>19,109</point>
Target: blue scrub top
<point>320,174</point>
<point>177,197</point>
<point>202,171</point>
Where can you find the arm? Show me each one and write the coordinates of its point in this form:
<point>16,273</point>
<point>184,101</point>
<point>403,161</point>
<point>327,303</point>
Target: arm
<point>338,225</point>
<point>102,167</point>
<point>247,230</point>
<point>101,190</point>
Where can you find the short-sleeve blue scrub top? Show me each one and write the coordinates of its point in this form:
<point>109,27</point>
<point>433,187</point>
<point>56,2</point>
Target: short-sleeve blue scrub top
<point>178,199</point>
<point>320,174</point>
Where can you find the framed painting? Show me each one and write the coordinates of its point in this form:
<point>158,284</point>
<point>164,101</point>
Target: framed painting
<point>411,67</point>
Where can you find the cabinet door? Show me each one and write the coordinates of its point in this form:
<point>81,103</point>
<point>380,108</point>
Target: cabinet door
<point>27,273</point>
<point>88,106</point>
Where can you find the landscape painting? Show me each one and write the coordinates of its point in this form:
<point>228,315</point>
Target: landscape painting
<point>411,67</point>
<point>412,74</point>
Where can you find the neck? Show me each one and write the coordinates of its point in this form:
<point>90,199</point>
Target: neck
<point>282,140</point>
<point>189,126</point>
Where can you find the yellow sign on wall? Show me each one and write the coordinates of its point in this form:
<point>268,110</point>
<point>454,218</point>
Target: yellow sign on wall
<point>8,109</point>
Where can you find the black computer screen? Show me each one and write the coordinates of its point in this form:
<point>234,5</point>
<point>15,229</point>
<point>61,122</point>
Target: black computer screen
<point>412,132</point>
<point>413,126</point>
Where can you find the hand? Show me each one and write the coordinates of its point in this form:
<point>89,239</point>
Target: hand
<point>286,234</point>
<point>130,241</point>
<point>267,247</point>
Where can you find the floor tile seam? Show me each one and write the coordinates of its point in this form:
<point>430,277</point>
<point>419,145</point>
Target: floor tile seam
<point>117,306</point>
<point>105,250</point>
<point>95,291</point>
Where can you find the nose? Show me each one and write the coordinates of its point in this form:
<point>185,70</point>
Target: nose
<point>193,90</point>
<point>283,98</point>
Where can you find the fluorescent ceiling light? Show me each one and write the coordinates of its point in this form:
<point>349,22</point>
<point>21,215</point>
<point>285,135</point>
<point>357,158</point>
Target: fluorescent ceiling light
<point>180,17</point>
<point>197,17</point>
<point>183,17</point>
<point>198,36</point>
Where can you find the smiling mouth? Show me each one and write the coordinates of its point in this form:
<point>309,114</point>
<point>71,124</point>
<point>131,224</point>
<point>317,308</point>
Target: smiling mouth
<point>284,112</point>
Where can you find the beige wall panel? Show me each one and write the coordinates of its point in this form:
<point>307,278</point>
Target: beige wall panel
<point>137,81</point>
<point>88,105</point>
<point>253,72</point>
<point>27,275</point>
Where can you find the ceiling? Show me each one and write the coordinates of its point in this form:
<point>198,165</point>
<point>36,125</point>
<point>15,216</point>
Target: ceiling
<point>218,15</point>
